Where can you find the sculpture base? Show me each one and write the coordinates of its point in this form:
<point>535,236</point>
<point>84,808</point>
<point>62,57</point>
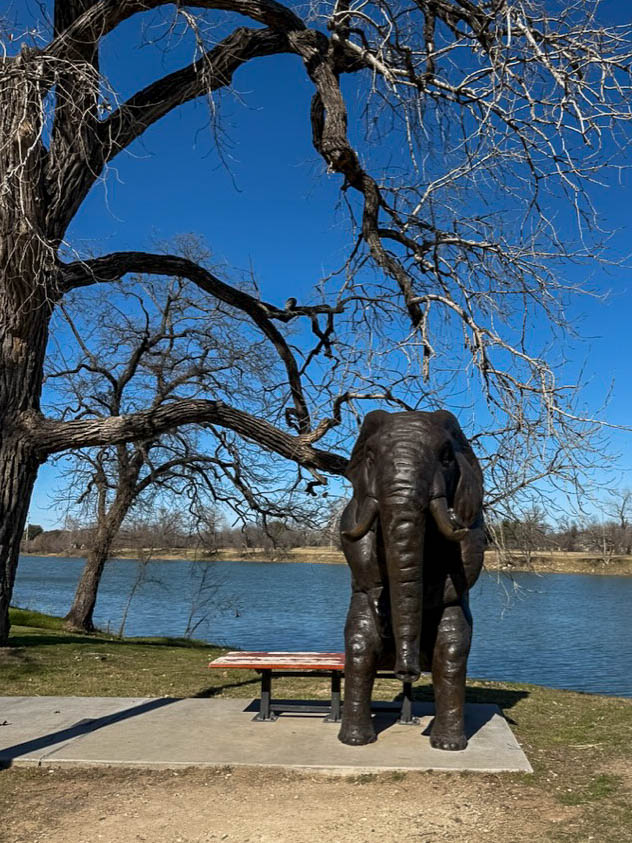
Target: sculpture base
<point>214,732</point>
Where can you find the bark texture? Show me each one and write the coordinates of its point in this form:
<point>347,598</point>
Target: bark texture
<point>79,616</point>
<point>26,273</point>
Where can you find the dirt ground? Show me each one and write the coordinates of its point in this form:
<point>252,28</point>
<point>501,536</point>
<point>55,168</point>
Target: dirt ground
<point>195,806</point>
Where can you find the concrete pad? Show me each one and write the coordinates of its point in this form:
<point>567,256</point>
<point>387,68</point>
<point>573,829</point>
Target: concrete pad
<point>31,728</point>
<point>216,732</point>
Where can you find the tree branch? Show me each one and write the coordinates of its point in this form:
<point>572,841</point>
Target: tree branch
<point>105,15</point>
<point>50,436</point>
<point>74,132</point>
<point>212,71</point>
<point>114,266</point>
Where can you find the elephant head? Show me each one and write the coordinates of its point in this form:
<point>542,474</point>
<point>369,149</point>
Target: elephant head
<point>405,468</point>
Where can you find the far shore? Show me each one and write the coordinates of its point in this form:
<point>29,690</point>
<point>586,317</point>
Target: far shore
<point>540,562</point>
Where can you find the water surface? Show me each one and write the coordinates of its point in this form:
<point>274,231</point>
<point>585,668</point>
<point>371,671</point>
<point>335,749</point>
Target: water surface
<point>560,630</point>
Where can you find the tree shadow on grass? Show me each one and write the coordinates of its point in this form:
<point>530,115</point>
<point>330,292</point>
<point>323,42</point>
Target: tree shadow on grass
<point>54,639</point>
<point>17,642</point>
<point>217,690</point>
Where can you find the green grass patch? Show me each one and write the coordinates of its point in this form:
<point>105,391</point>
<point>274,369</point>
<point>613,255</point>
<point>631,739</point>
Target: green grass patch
<point>600,787</point>
<point>35,620</point>
<point>43,659</point>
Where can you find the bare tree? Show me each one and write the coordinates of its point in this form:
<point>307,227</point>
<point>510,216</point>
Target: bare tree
<point>619,508</point>
<point>518,540</point>
<point>208,526</point>
<point>202,589</point>
<point>149,345</point>
<point>493,107</point>
<point>143,549</point>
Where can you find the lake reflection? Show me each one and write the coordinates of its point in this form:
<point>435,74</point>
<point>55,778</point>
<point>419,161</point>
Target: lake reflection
<point>561,630</point>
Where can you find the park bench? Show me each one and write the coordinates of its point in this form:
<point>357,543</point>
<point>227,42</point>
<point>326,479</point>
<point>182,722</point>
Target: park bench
<point>304,664</point>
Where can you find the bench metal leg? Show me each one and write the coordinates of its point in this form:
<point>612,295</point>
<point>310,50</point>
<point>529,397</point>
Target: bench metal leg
<point>406,716</point>
<point>334,714</point>
<point>265,714</point>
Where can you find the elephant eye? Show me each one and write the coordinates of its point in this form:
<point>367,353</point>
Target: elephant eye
<point>446,455</point>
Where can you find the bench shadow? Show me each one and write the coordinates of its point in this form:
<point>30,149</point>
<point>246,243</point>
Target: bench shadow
<point>82,727</point>
<point>322,707</point>
<point>484,704</point>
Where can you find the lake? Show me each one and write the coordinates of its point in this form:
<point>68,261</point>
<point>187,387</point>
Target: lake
<point>560,630</point>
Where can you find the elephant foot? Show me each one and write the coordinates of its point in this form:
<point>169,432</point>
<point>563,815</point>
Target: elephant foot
<point>354,734</point>
<point>449,739</point>
<point>449,744</point>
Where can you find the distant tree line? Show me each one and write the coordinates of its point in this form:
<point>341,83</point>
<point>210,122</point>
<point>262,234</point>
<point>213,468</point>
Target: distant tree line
<point>605,536</point>
<point>171,530</point>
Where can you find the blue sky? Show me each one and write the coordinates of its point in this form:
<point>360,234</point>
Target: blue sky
<point>273,207</point>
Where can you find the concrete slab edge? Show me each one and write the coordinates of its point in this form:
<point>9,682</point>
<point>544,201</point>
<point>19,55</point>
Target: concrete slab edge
<point>298,768</point>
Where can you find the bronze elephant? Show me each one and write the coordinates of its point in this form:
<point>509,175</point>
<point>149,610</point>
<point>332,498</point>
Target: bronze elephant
<point>414,539</point>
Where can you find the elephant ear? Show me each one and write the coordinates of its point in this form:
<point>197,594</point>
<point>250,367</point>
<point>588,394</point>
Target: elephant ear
<point>468,498</point>
<point>360,469</point>
<point>361,472</point>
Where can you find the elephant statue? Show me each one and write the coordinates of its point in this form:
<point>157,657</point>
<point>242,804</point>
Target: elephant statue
<point>414,539</point>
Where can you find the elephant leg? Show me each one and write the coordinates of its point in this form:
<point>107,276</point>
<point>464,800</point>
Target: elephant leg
<point>362,652</point>
<point>449,663</point>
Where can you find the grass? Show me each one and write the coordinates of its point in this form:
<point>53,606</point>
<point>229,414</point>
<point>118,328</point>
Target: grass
<point>580,745</point>
<point>35,620</point>
<point>45,660</point>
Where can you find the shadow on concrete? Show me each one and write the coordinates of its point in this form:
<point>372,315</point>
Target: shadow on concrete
<point>82,727</point>
<point>502,697</point>
<point>474,720</point>
<point>279,706</point>
<point>385,714</point>
<point>486,700</point>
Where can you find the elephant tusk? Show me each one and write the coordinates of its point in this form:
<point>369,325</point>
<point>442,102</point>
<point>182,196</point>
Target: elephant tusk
<point>446,520</point>
<point>364,522</point>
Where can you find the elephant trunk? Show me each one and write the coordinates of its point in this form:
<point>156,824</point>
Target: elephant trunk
<point>403,527</point>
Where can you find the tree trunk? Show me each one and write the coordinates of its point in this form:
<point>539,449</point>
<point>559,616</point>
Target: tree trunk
<point>79,618</point>
<point>20,387</point>
<point>18,470</point>
<point>27,275</point>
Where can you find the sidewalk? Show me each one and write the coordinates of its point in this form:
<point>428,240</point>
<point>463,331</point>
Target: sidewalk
<point>163,732</point>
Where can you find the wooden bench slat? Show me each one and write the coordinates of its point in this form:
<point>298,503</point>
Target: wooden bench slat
<point>280,661</point>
